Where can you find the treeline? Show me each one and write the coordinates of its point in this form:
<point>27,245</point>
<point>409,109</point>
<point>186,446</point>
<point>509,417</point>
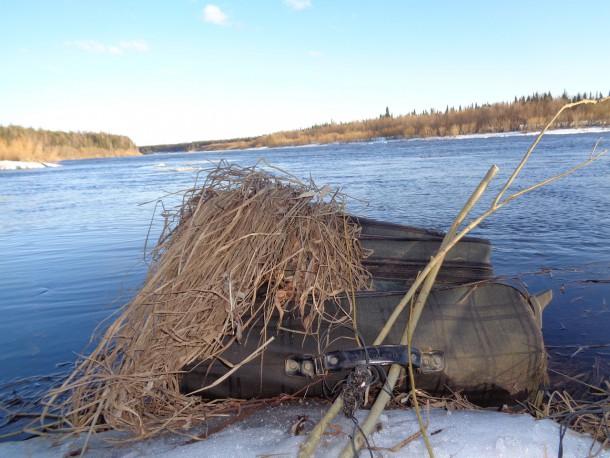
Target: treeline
<point>38,145</point>
<point>205,145</point>
<point>523,114</point>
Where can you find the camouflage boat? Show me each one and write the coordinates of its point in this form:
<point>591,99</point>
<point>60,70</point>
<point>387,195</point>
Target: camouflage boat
<point>476,336</point>
<point>399,252</point>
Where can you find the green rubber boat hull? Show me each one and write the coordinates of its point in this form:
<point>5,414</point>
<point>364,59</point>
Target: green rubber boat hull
<point>488,332</point>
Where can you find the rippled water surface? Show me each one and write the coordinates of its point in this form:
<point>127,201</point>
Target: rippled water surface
<point>72,237</point>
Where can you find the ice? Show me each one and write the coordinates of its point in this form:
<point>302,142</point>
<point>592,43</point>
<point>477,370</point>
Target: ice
<point>19,165</point>
<point>567,131</point>
<point>464,433</point>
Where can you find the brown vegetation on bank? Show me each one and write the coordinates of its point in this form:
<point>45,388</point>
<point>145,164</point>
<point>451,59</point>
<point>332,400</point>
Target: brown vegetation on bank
<point>37,145</point>
<point>246,244</point>
<point>523,114</point>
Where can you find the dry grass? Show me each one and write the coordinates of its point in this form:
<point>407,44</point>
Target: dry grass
<point>579,397</point>
<point>246,244</point>
<point>32,150</point>
<point>589,417</point>
<point>453,402</point>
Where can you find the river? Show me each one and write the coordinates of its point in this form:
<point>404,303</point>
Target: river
<point>72,238</point>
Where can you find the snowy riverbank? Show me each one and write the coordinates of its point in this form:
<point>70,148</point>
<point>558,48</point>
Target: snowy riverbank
<point>463,433</point>
<point>23,165</point>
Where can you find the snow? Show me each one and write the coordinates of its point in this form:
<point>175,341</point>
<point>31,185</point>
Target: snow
<point>464,433</point>
<point>19,165</point>
<point>567,131</point>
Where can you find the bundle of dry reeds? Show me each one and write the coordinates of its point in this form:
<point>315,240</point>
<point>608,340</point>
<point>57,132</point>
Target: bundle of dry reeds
<point>591,416</point>
<point>578,398</point>
<point>246,244</point>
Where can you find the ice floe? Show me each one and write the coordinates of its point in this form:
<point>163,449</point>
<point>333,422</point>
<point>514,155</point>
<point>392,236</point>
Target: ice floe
<point>22,165</point>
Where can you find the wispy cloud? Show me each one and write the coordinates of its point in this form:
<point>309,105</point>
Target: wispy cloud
<point>100,48</point>
<point>87,45</point>
<point>134,45</point>
<point>214,15</point>
<point>314,54</point>
<point>297,4</point>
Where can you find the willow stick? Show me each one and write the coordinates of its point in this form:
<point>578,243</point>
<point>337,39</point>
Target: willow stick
<point>495,206</point>
<point>431,270</point>
<point>309,445</point>
<point>422,427</point>
<point>538,137</point>
<point>474,223</point>
<point>385,394</point>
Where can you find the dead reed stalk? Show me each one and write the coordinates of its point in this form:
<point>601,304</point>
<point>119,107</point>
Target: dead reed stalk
<point>246,244</point>
<point>449,242</point>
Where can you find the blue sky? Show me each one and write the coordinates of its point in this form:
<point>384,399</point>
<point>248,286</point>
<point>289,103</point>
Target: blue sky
<point>164,71</point>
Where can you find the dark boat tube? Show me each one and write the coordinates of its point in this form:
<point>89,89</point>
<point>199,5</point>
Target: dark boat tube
<point>487,331</point>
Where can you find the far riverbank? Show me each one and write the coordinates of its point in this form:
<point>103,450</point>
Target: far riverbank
<point>232,145</point>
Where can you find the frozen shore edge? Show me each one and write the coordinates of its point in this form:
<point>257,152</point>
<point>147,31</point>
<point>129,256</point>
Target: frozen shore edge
<point>468,433</point>
<point>23,165</point>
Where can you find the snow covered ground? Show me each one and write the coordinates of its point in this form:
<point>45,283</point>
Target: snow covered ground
<point>568,131</point>
<point>19,165</point>
<point>464,433</point>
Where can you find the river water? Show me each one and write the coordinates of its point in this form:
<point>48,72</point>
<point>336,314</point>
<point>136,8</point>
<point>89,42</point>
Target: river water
<point>72,238</point>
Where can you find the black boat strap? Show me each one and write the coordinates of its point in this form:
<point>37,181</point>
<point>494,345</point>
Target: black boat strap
<point>380,355</point>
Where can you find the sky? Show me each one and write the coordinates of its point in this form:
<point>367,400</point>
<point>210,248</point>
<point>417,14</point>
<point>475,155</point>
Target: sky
<point>172,71</point>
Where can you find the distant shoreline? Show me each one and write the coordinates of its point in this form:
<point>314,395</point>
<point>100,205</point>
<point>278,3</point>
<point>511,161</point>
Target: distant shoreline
<point>30,165</point>
<point>556,131</point>
<point>25,144</point>
<point>522,115</point>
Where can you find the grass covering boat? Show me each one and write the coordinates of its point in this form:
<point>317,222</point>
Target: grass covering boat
<point>485,334</point>
<point>261,285</point>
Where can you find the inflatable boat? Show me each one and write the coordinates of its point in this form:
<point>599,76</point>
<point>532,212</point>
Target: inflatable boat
<point>477,336</point>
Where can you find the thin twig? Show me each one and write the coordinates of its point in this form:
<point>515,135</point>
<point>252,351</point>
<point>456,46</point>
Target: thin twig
<point>495,206</point>
<point>428,282</point>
